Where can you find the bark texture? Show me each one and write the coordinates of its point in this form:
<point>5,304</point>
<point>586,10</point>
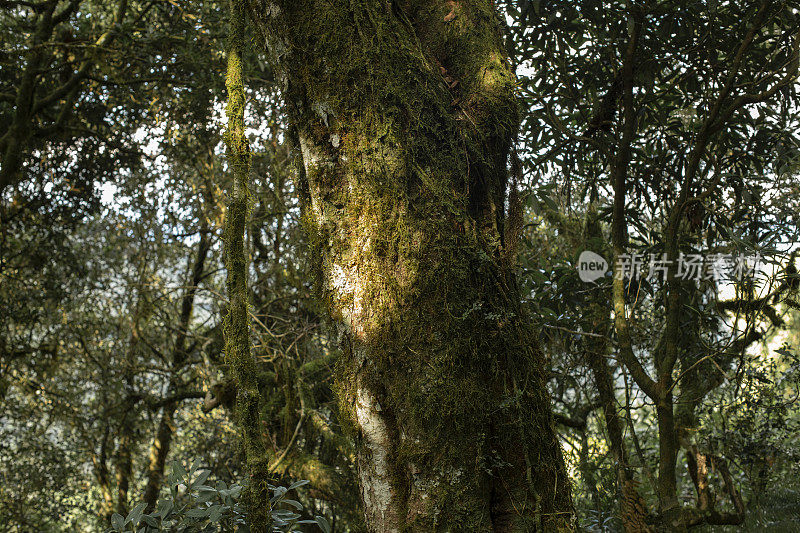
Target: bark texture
<point>238,354</point>
<point>403,113</point>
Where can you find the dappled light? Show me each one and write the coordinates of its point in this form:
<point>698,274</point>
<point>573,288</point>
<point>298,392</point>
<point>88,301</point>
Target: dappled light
<point>386,266</point>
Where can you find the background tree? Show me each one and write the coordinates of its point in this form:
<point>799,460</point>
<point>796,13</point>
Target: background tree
<point>663,124</point>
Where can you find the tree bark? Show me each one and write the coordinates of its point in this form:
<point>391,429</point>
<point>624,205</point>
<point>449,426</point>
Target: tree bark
<point>105,507</point>
<point>128,417</point>
<point>404,113</point>
<point>124,465</point>
<point>238,353</point>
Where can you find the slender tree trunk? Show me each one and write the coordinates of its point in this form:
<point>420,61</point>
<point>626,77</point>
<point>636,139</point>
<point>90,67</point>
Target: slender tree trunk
<point>157,459</point>
<point>588,471</point>
<point>632,507</point>
<point>666,488</point>
<point>159,449</point>
<point>124,466</point>
<point>404,113</point>
<point>238,354</point>
<point>106,505</point>
<point>127,416</point>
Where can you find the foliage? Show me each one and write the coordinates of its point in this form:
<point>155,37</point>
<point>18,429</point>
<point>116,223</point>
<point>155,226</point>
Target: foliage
<point>118,179</point>
<point>195,507</point>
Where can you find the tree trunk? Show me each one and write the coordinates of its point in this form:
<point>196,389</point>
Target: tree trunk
<point>238,354</point>
<point>157,460</point>
<point>124,466</point>
<point>159,449</point>
<point>127,415</point>
<point>633,511</point>
<point>632,506</point>
<point>100,463</point>
<point>404,113</point>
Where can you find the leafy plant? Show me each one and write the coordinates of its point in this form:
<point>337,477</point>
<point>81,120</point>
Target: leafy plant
<point>196,507</point>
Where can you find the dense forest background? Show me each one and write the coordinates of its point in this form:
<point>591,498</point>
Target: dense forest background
<point>655,129</point>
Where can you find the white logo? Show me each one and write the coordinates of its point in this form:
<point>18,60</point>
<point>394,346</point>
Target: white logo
<point>591,266</point>
<point>717,267</point>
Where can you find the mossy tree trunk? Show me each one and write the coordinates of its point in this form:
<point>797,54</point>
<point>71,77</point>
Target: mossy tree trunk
<point>404,113</point>
<point>238,354</point>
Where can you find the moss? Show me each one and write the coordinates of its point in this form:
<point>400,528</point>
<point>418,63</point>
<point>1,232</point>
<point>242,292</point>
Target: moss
<point>404,214</point>
<point>236,328</point>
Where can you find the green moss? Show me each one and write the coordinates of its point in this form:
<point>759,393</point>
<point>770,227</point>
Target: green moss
<point>406,175</point>
<point>237,322</point>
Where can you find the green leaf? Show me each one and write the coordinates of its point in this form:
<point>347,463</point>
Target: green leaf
<point>165,508</point>
<point>323,524</point>
<point>297,484</point>
<point>280,492</point>
<point>117,522</point>
<point>550,203</point>
<point>215,513</point>
<point>293,503</point>
<point>195,465</point>
<point>198,513</point>
<point>136,514</point>
<point>178,470</point>
<point>201,478</point>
